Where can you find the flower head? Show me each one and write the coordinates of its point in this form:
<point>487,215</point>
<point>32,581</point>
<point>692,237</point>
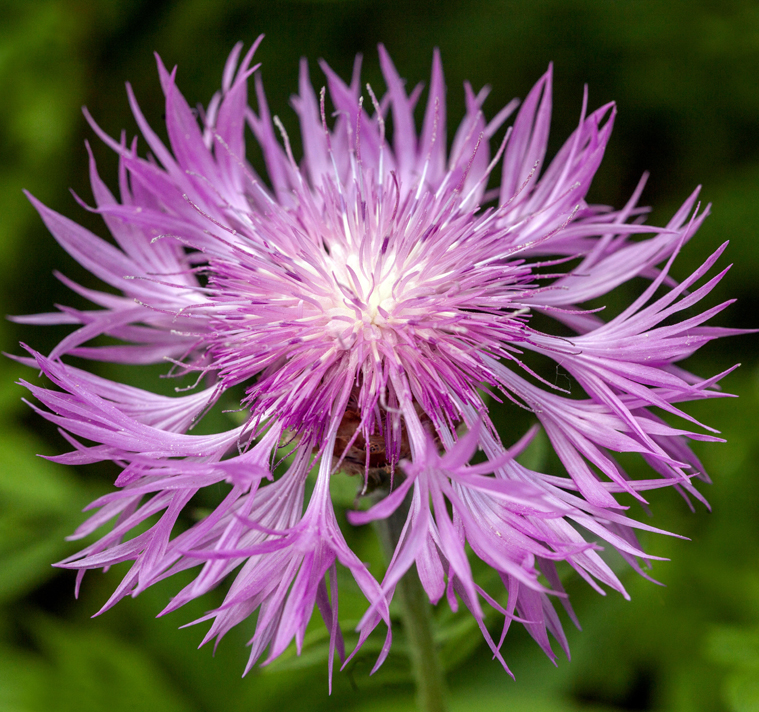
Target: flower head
<point>365,306</point>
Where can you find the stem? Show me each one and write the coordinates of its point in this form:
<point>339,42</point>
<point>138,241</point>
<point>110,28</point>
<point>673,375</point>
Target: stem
<point>416,616</point>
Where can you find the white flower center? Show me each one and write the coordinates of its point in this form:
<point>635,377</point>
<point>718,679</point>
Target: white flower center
<point>366,295</point>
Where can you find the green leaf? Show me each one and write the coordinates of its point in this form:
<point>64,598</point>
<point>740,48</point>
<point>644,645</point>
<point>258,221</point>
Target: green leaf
<point>40,504</point>
<point>23,677</point>
<point>91,671</point>
<point>737,647</point>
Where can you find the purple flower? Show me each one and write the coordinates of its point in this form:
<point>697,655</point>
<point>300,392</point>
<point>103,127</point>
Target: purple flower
<point>359,305</point>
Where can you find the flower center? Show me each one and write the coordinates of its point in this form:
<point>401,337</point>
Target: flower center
<point>363,295</point>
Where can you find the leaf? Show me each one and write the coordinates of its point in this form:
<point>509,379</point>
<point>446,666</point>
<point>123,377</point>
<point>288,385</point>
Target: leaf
<point>40,504</point>
<point>743,691</point>
<point>24,677</point>
<point>93,670</point>
<point>737,648</point>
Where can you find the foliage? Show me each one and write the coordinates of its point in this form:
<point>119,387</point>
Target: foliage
<point>683,74</point>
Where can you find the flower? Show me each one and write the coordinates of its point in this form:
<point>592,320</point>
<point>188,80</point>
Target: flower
<point>366,305</point>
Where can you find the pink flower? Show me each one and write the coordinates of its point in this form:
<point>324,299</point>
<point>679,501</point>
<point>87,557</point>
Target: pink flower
<point>361,302</point>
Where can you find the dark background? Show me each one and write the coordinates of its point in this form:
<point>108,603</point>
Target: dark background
<point>684,75</point>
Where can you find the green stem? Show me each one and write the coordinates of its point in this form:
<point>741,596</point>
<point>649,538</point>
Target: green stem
<point>416,616</point>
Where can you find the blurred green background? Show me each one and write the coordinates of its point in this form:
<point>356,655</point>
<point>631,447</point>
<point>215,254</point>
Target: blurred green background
<point>684,74</point>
